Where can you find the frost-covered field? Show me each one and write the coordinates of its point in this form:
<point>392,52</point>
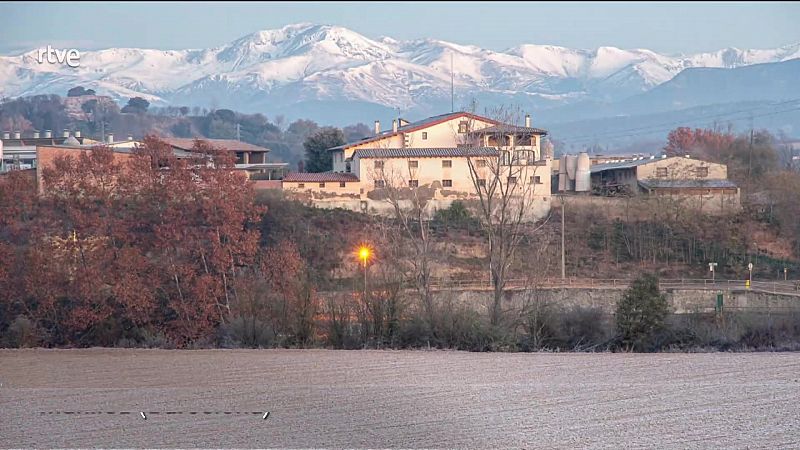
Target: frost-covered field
<point>320,398</point>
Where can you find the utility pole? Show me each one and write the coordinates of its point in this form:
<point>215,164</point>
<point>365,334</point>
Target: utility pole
<point>452,86</point>
<point>563,250</point>
<point>750,158</point>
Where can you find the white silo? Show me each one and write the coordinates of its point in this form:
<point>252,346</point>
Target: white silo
<point>572,167</point>
<point>583,175</point>
<point>562,174</point>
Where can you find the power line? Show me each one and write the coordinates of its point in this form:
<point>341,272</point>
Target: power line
<point>651,129</point>
<point>683,121</point>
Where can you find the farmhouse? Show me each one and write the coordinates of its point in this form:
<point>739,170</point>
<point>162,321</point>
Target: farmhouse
<point>441,159</point>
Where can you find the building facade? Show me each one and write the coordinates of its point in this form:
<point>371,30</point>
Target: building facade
<point>692,182</point>
<point>456,156</point>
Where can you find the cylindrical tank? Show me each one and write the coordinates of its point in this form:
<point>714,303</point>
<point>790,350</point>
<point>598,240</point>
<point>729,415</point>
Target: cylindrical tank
<point>583,175</point>
<point>562,174</point>
<point>572,167</point>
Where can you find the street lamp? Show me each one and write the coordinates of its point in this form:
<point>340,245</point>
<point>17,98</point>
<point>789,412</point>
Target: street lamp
<point>364,254</point>
<point>750,280</point>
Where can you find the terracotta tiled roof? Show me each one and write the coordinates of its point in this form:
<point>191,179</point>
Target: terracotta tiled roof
<point>319,177</point>
<point>225,144</point>
<point>424,152</point>
<point>418,125</point>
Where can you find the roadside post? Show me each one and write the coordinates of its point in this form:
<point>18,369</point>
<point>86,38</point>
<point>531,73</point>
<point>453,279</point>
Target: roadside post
<point>750,279</point>
<point>711,267</point>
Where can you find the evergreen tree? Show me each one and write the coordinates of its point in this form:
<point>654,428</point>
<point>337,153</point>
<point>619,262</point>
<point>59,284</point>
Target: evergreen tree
<point>318,159</point>
<point>641,314</point>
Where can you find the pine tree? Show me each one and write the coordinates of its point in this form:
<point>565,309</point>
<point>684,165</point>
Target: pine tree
<point>641,314</point>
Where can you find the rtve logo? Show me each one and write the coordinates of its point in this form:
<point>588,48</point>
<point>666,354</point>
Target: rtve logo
<point>71,57</point>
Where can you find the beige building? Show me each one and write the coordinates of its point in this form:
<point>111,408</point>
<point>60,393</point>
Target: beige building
<point>700,184</point>
<point>440,159</point>
<point>250,158</point>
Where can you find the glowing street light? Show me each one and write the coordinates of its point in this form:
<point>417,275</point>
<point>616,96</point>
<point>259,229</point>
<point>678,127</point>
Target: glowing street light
<point>364,253</point>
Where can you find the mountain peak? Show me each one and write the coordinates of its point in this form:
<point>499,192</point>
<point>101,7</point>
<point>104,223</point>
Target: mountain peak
<point>277,68</point>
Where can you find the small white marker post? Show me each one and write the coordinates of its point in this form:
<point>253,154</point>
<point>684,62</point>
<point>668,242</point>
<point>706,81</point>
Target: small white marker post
<point>143,416</point>
<point>266,414</point>
<point>711,267</point>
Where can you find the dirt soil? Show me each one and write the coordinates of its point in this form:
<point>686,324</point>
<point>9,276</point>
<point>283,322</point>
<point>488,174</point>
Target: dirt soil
<point>318,398</point>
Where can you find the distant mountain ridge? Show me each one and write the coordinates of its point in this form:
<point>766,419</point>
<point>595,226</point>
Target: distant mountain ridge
<point>305,69</point>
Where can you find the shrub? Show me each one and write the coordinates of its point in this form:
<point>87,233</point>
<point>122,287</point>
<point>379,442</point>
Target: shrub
<point>246,331</point>
<point>22,332</point>
<point>641,315</point>
<point>583,328</point>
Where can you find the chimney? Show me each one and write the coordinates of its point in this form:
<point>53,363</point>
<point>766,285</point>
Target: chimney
<point>377,127</point>
<point>110,138</point>
<point>35,134</point>
<point>77,133</point>
<point>48,134</point>
<point>528,120</point>
<point>17,135</point>
<point>6,135</point>
<point>66,133</point>
<point>394,126</point>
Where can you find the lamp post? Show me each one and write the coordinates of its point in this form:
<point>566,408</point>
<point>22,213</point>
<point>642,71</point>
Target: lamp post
<point>363,253</point>
<point>750,280</point>
<point>785,274</point>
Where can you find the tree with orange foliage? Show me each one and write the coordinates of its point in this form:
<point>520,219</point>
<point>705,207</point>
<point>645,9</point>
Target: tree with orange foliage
<point>701,143</point>
<point>154,241</point>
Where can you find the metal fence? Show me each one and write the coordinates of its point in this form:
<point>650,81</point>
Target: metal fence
<point>789,287</point>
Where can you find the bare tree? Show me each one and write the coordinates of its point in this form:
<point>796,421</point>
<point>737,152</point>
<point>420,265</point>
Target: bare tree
<point>398,185</point>
<point>506,184</point>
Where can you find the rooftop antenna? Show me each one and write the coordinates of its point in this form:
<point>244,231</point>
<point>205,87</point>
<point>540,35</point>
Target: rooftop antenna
<point>452,85</point>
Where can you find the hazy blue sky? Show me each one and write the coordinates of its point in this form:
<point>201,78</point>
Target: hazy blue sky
<point>663,27</point>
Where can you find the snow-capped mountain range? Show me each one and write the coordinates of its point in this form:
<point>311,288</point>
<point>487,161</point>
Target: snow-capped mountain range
<point>327,68</point>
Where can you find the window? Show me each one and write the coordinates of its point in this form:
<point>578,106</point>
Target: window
<point>379,184</point>
<point>447,163</point>
<point>322,185</point>
<point>413,164</point>
<point>342,184</point>
<point>363,205</point>
<point>533,141</point>
<point>536,179</point>
<point>512,180</point>
<point>481,182</point>
<point>661,171</point>
<point>301,185</point>
<point>447,183</point>
<point>481,163</point>
<point>701,171</point>
<point>379,164</point>
<point>413,183</point>
<point>463,127</point>
<point>424,135</point>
